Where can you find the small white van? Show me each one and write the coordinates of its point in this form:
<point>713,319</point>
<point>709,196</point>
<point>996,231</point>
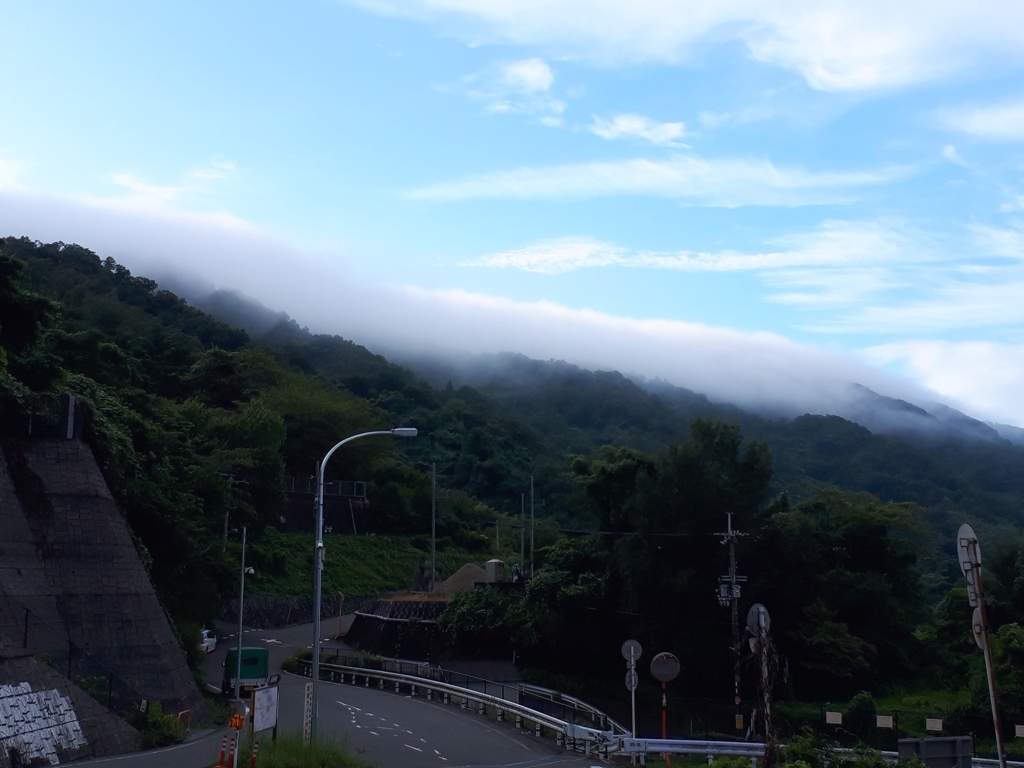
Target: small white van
<point>207,641</point>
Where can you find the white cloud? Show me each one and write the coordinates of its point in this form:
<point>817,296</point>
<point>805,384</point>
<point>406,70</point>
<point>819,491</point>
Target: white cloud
<point>554,257</point>
<point>984,375</point>
<point>751,369</point>
<point>1002,242</point>
<point>639,127</point>
<point>836,244</point>
<point>839,45</point>
<point>196,183</point>
<point>10,170</point>
<point>949,153</point>
<point>217,170</point>
<point>517,87</point>
<point>922,284</point>
<point>221,251</point>
<point>997,122</point>
<point>726,182</point>
<point>881,277</point>
<point>713,120</point>
<point>145,192</point>
<point>528,75</point>
<point>955,305</point>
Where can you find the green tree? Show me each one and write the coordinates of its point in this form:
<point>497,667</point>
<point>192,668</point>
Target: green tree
<point>479,623</point>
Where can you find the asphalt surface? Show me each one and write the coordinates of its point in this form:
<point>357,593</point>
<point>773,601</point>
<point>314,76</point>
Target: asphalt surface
<point>380,728</point>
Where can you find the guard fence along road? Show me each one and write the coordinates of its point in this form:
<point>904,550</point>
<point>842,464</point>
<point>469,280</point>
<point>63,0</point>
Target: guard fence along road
<point>616,741</point>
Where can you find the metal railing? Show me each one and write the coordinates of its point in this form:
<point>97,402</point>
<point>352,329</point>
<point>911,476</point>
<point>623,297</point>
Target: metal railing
<point>589,741</point>
<point>613,740</point>
<point>307,485</point>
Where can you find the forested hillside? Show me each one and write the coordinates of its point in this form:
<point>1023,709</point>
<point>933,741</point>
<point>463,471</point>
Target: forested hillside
<point>847,533</point>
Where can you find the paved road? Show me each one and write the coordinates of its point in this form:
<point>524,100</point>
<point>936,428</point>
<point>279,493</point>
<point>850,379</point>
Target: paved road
<point>378,727</point>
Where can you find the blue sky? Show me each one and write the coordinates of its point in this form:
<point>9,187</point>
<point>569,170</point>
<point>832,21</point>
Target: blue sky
<point>752,199</point>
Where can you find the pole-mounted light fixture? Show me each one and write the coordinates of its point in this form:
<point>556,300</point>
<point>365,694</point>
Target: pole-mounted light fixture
<point>318,561</point>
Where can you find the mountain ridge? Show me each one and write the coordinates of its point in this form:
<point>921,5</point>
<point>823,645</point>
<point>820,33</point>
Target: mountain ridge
<point>854,402</point>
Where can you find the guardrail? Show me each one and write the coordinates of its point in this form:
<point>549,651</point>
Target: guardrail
<point>589,741</point>
<point>551,702</point>
<point>576,706</point>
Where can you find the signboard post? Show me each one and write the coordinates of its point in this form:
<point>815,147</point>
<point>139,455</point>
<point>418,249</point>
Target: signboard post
<point>631,652</point>
<point>968,552</point>
<point>264,710</point>
<point>664,667</point>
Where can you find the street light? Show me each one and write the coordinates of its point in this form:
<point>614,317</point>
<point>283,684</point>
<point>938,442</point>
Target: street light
<point>318,562</point>
<point>241,606</point>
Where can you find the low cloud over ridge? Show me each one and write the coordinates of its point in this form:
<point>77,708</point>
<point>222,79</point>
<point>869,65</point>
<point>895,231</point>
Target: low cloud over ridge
<point>751,369</point>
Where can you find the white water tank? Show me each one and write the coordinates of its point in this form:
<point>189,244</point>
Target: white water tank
<point>495,570</point>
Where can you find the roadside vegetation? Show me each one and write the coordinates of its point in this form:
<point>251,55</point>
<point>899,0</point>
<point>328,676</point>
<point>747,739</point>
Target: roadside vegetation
<point>289,751</point>
<point>847,535</point>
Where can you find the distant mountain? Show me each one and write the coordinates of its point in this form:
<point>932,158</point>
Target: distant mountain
<point>956,467</point>
<point>507,372</point>
<point>1014,434</point>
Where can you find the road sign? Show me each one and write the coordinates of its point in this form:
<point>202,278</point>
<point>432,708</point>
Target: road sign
<point>632,680</point>
<point>265,706</point>
<point>978,627</point>
<point>631,650</point>
<point>969,554</point>
<point>665,667</point>
<point>237,722</point>
<point>756,617</point>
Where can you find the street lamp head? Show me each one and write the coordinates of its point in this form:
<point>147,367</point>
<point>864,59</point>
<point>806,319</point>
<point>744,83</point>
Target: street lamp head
<point>404,431</point>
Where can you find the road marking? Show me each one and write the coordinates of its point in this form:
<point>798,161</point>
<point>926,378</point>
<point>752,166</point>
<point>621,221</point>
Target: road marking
<point>412,747</point>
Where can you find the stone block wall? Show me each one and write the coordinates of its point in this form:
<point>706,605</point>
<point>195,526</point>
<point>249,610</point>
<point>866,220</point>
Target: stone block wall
<point>46,720</point>
<point>73,589</point>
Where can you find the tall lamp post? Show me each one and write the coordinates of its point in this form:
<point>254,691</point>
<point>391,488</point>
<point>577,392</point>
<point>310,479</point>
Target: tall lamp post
<point>318,562</point>
<point>241,608</point>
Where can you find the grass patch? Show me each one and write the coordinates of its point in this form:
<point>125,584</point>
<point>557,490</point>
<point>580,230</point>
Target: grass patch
<point>289,751</point>
<point>355,565</point>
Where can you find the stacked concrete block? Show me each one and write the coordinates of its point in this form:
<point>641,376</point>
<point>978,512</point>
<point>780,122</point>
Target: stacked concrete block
<point>46,720</point>
<point>73,590</point>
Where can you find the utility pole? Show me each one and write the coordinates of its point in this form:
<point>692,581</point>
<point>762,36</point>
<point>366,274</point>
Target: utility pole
<point>227,507</point>
<point>531,527</point>
<point>522,533</point>
<point>433,524</point>
<point>729,595</point>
